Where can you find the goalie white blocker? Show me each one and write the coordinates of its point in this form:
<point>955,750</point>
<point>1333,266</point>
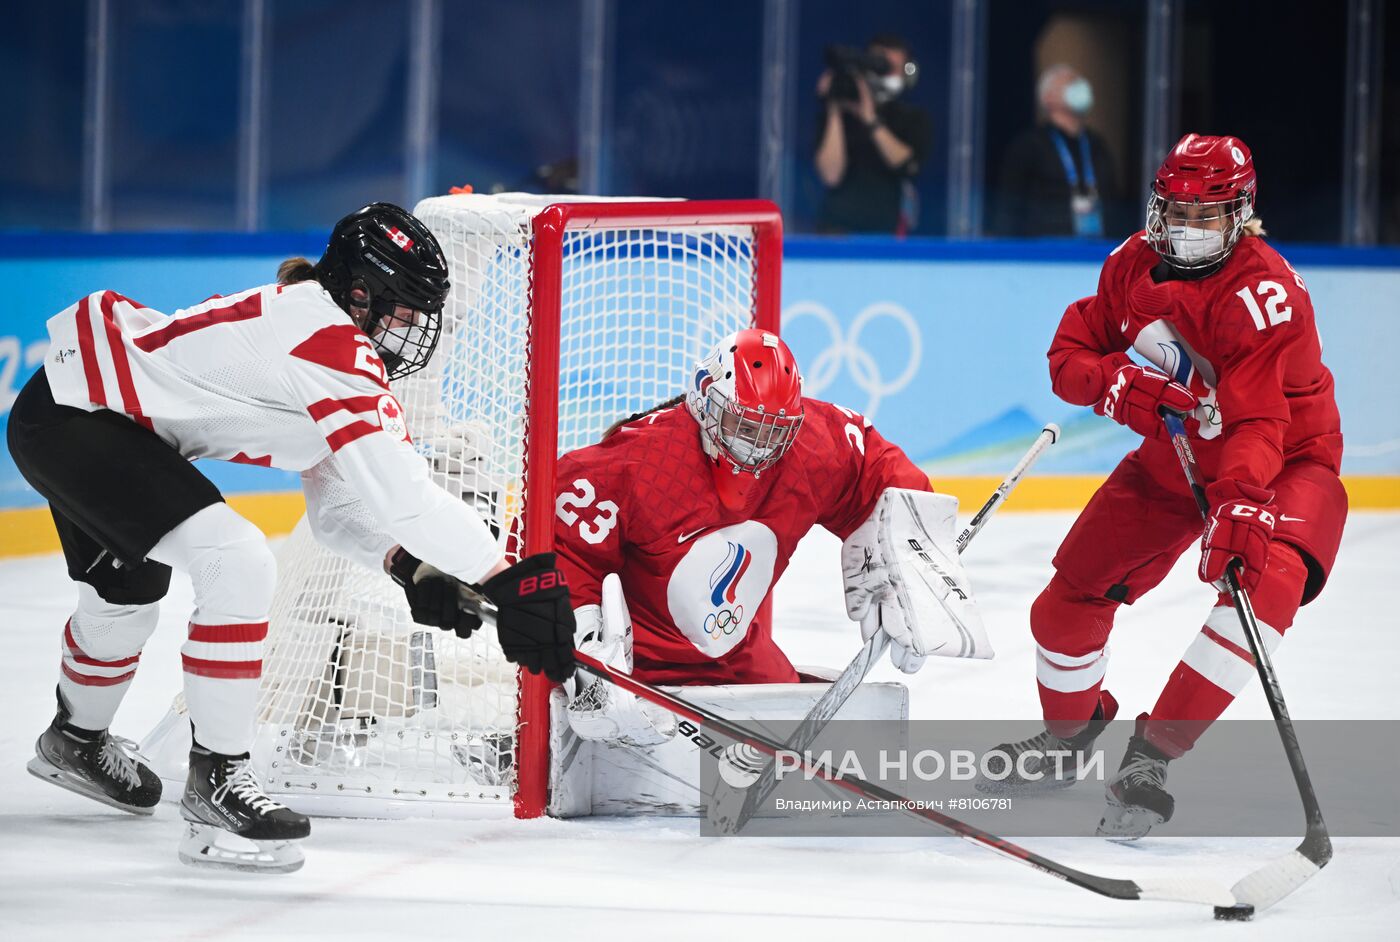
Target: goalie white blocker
<point>695,508</point>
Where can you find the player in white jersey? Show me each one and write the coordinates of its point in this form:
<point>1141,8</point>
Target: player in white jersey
<point>291,375</point>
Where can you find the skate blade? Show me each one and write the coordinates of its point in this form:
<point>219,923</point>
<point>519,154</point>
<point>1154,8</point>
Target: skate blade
<point>209,847</point>
<point>39,767</point>
<point>1122,823</point>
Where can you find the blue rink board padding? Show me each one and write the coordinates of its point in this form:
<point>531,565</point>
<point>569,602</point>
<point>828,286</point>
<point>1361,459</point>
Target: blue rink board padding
<point>941,344</point>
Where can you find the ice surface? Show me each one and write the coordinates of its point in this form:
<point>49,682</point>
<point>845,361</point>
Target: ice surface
<point>70,868</point>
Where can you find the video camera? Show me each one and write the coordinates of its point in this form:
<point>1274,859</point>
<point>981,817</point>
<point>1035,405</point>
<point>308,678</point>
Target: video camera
<point>849,65</point>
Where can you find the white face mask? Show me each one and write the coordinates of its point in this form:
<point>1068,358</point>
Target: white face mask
<point>1191,243</point>
<point>887,87</point>
<point>746,452</point>
<point>1079,96</point>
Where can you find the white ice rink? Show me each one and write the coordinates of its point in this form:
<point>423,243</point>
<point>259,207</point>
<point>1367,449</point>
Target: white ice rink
<point>73,869</point>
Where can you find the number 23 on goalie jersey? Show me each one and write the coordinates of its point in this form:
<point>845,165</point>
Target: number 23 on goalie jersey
<point>694,571</point>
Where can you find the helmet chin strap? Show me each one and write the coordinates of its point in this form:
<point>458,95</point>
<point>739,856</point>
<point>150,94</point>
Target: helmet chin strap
<point>367,319</point>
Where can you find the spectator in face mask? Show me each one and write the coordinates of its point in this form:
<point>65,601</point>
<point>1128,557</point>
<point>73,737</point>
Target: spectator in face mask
<point>1058,178</point>
<point>872,143</point>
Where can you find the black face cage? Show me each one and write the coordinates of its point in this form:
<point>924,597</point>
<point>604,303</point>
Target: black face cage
<point>405,344</point>
<point>1180,253</point>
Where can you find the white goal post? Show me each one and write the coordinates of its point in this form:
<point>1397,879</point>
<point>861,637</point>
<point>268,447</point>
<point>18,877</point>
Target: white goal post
<point>564,316</point>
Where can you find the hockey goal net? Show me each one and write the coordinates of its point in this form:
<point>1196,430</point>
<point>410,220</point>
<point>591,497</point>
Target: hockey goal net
<point>563,317</point>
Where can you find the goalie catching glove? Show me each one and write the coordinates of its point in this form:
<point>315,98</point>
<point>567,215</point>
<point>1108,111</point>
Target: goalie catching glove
<point>903,576</point>
<point>603,712</point>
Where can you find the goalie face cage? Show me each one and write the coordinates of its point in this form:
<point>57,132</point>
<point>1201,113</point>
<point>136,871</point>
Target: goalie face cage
<point>563,317</point>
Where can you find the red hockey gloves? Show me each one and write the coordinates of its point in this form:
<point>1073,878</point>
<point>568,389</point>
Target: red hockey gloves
<point>533,619</point>
<point>1240,526</point>
<point>433,595</point>
<point>1134,395</point>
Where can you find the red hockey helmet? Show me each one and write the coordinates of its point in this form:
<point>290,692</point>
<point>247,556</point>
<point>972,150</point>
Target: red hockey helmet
<point>1201,198</point>
<point>747,397</point>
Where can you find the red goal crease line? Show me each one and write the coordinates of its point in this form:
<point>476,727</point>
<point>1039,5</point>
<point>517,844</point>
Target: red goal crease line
<point>29,531</point>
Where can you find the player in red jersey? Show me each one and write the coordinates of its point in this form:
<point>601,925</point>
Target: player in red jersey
<point>699,505</point>
<point>1227,326</point>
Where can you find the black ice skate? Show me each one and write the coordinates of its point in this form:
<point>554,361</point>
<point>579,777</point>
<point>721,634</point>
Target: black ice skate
<point>1059,762</point>
<point>1137,796</point>
<point>232,822</point>
<point>97,764</point>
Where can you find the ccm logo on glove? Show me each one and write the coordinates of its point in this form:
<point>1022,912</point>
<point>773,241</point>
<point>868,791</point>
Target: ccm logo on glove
<point>1246,510</point>
<point>1135,393</point>
<point>1240,528</point>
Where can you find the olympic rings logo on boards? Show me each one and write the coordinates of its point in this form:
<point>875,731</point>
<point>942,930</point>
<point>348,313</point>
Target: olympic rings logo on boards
<point>726,621</point>
<point>844,350</point>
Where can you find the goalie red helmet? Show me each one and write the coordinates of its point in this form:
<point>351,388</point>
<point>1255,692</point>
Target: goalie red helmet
<point>1201,198</point>
<point>747,397</point>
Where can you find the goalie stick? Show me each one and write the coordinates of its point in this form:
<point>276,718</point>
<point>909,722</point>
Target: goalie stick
<point>855,673</point>
<point>1275,880</point>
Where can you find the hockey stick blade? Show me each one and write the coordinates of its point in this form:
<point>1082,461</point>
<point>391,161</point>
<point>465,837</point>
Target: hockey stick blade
<point>1275,880</point>
<point>854,675</point>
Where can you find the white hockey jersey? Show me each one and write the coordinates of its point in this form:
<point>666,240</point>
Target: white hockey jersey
<point>276,376</point>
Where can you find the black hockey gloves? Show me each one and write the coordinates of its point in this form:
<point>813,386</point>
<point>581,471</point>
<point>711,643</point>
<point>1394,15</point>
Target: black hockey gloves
<point>533,618</point>
<point>433,595</point>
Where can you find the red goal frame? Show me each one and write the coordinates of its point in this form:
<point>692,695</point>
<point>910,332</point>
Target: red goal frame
<point>541,442</point>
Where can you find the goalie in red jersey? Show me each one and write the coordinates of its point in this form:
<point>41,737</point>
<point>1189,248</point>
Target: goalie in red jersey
<point>1227,326</point>
<point>697,507</point>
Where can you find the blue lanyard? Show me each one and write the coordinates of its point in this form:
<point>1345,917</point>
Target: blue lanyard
<point>1070,172</point>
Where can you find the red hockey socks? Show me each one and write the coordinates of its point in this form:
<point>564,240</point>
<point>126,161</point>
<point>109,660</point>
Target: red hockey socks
<point>1218,663</point>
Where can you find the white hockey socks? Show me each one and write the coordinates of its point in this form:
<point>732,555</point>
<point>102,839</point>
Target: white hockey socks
<point>233,574</point>
<point>102,644</point>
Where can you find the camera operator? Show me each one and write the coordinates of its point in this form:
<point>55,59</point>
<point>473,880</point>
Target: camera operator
<point>872,144</point>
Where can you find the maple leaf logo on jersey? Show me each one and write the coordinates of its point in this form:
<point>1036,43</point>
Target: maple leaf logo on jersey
<point>391,418</point>
<point>400,239</point>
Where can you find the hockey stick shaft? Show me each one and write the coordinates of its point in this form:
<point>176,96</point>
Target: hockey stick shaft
<point>1047,437</point>
<point>844,686</point>
<point>1186,890</point>
<point>1262,888</point>
<point>1182,889</point>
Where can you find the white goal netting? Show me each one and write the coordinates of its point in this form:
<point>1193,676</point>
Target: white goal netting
<point>357,701</point>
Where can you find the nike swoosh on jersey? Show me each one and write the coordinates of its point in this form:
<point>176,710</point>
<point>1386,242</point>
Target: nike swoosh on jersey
<point>685,536</point>
<point>1124,327</point>
<point>1293,519</point>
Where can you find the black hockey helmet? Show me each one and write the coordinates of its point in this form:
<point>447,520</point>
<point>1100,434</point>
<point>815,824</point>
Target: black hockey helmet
<point>386,252</point>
